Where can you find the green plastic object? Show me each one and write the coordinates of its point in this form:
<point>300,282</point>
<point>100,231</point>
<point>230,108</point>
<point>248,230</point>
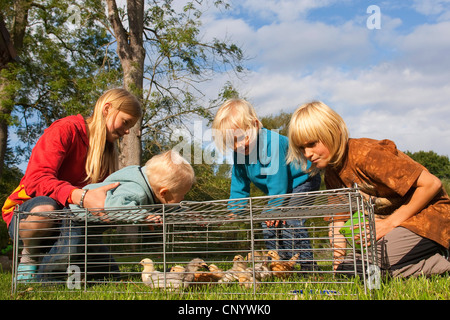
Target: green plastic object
<point>346,230</point>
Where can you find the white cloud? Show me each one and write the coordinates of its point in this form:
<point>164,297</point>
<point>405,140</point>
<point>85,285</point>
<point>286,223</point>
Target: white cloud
<point>388,83</point>
<point>427,48</point>
<point>281,10</point>
<point>431,7</point>
<point>303,46</point>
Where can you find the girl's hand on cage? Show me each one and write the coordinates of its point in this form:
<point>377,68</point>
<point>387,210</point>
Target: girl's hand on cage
<point>154,219</point>
<point>100,213</point>
<point>231,216</point>
<point>274,223</point>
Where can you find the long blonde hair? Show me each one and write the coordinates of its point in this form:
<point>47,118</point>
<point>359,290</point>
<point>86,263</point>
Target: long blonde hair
<point>315,121</point>
<point>234,114</point>
<point>102,156</point>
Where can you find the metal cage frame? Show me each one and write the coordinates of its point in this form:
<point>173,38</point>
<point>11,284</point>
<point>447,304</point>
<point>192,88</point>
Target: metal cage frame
<point>216,231</point>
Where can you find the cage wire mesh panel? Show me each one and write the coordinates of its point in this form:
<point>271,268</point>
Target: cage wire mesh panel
<point>226,245</point>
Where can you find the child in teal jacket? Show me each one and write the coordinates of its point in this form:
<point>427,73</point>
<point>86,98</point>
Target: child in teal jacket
<point>260,158</point>
<point>165,178</point>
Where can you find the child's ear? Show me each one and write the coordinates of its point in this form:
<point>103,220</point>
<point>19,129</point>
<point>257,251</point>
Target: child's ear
<point>106,108</point>
<point>163,192</point>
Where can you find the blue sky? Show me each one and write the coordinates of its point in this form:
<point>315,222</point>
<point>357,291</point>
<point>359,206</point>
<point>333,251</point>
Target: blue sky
<point>392,82</point>
<point>388,83</point>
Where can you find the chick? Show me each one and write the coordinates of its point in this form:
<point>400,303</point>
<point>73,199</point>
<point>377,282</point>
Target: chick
<point>257,256</point>
<point>216,270</point>
<point>176,279</point>
<point>239,265</point>
<point>281,269</point>
<point>149,269</point>
<point>239,272</point>
<point>190,270</point>
<point>214,275</point>
<point>177,268</point>
<point>261,266</point>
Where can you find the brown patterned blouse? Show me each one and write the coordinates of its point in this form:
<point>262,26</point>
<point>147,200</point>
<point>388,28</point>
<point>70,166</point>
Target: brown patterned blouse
<point>387,175</point>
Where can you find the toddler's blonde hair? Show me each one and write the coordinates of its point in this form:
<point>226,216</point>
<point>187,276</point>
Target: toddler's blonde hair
<point>233,114</point>
<point>102,156</point>
<point>169,169</point>
<point>313,122</point>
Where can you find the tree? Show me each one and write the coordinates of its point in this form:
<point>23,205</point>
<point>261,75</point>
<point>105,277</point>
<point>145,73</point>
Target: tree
<point>62,67</point>
<point>130,49</point>
<point>14,43</point>
<point>278,122</point>
<point>161,48</point>
<point>436,164</point>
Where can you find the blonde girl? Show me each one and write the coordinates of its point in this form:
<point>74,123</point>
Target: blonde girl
<point>71,153</point>
<point>415,229</point>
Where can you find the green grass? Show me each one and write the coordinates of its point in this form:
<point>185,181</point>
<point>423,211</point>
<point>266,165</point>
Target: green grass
<point>421,288</point>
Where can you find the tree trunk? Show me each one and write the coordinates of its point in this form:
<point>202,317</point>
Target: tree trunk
<point>130,49</point>
<point>5,113</point>
<point>19,25</point>
<point>131,52</point>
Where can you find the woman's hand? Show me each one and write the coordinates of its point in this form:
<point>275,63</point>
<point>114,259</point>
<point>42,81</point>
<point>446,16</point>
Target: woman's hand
<point>94,198</point>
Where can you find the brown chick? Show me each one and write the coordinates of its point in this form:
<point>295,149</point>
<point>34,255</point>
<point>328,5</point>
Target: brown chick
<point>262,270</point>
<point>245,279</point>
<point>258,256</point>
<point>216,272</point>
<point>279,268</point>
<point>239,265</point>
<point>214,275</point>
<point>192,268</point>
<point>242,272</point>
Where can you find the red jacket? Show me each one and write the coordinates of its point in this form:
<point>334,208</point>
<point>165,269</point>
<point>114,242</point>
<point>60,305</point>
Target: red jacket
<point>56,165</point>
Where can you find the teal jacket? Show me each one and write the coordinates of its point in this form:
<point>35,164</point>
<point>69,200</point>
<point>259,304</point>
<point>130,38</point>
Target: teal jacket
<point>266,167</point>
<point>134,188</point>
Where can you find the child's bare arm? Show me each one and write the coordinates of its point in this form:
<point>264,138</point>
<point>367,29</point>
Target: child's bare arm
<point>426,188</point>
<point>338,242</point>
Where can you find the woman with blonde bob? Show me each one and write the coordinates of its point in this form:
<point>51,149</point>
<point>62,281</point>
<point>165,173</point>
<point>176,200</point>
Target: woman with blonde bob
<point>71,153</point>
<point>260,158</point>
<point>412,208</point>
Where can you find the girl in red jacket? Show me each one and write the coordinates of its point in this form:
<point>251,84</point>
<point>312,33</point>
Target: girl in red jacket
<point>71,153</point>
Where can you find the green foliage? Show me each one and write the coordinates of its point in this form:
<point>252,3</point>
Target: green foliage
<point>66,63</point>
<point>277,122</point>
<point>9,181</point>
<point>63,67</point>
<point>177,61</point>
<point>436,164</point>
<point>212,182</point>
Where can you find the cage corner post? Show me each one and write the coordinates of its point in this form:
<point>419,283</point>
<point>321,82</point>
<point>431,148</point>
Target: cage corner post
<point>15,262</point>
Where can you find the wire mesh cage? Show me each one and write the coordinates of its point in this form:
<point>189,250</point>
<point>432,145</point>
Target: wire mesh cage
<point>283,244</point>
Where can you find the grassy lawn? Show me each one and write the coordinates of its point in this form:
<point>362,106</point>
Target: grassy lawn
<point>421,288</point>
